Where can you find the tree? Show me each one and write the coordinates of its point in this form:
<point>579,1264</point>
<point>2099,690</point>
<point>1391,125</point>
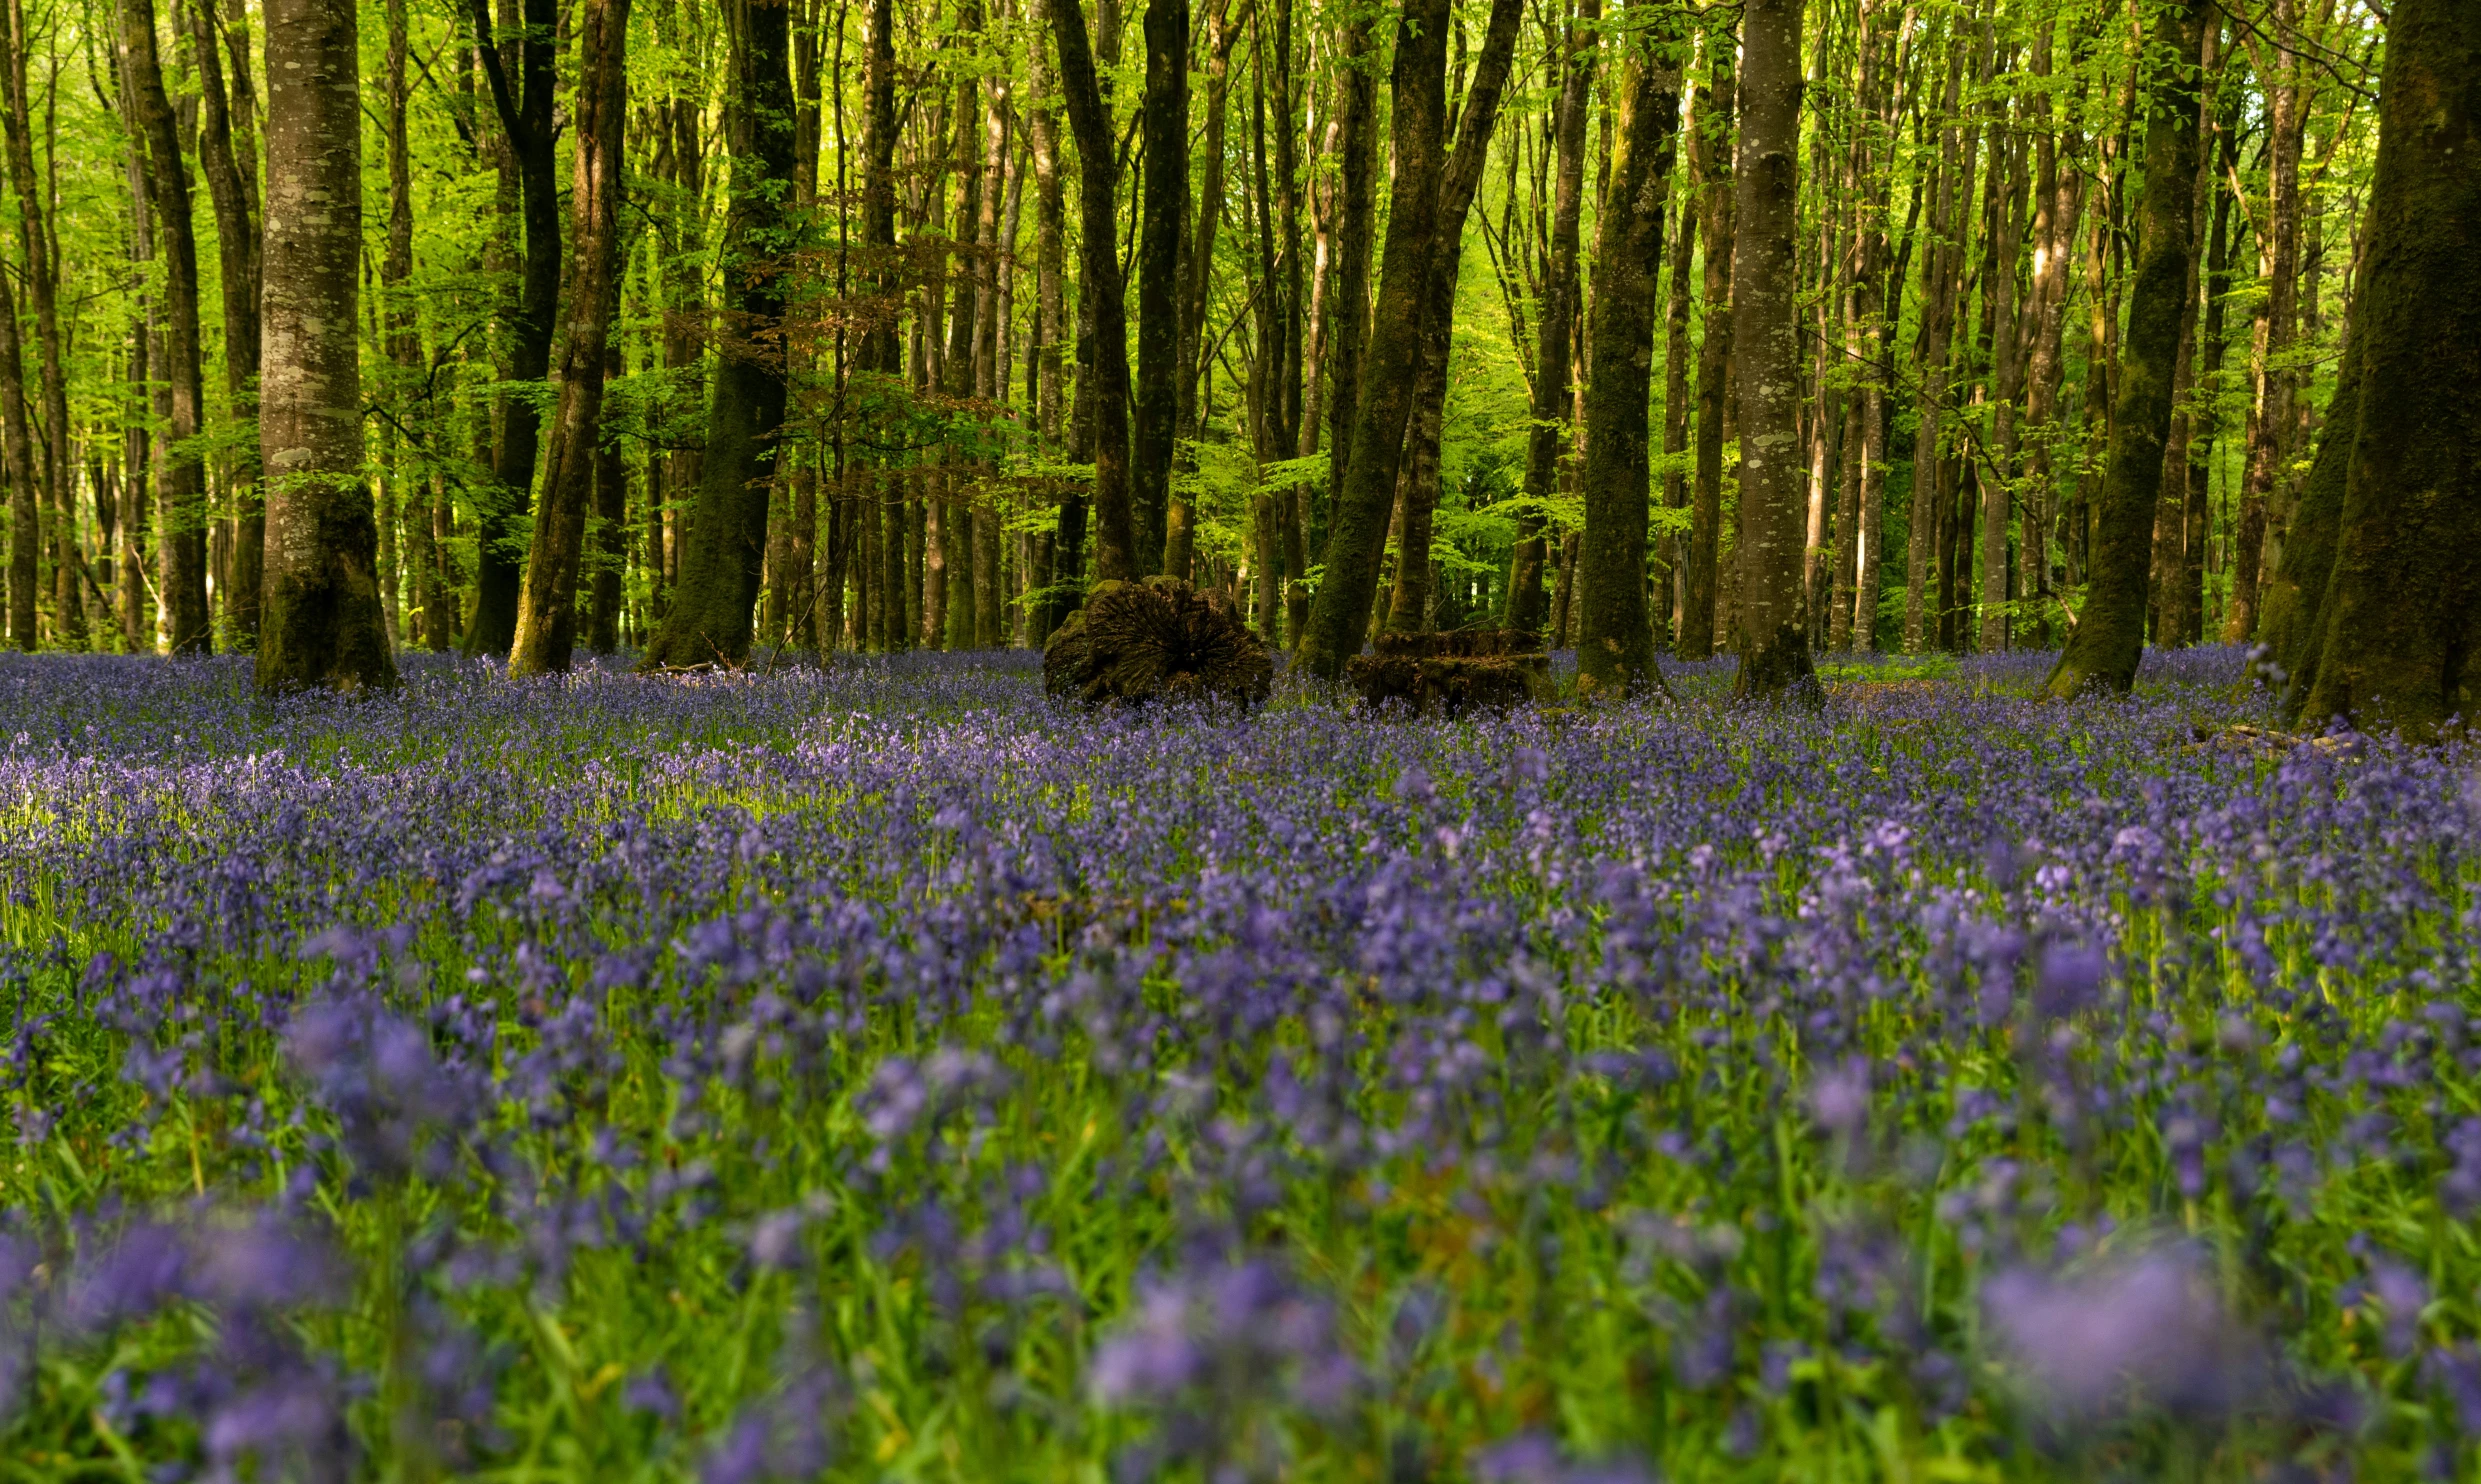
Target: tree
<point>180,490</point>
<point>1559,310</point>
<point>1098,184</point>
<point>1615,635</point>
<point>1340,612</point>
<point>2401,620</point>
<point>524,107</point>
<point>232,185</point>
<point>1774,649</point>
<point>319,622</point>
<point>711,610</point>
<point>2103,652</point>
<point>1166,208</point>
<point>1710,153</point>
<point>547,617</point>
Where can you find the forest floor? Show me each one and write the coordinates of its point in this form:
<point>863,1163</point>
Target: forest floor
<point>880,1071</point>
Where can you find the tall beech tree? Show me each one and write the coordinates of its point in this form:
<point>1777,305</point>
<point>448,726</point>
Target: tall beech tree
<point>547,615</point>
<point>1340,613</point>
<point>1615,634</point>
<point>1107,374</point>
<point>2401,618</point>
<point>524,105</point>
<point>319,616</point>
<point>2103,652</point>
<point>710,621</point>
<point>1555,338</point>
<point>1774,649</point>
<point>180,487</point>
<point>1710,155</point>
<point>1163,216</point>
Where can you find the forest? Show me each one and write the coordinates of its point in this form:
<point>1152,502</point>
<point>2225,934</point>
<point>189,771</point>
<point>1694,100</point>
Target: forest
<point>700,331</point>
<point>1534,741</point>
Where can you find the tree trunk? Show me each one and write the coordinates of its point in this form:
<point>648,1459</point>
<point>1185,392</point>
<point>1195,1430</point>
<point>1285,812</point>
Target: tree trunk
<point>25,522</point>
<point>1774,652</point>
<point>1408,606</point>
<point>1711,150</point>
<point>180,481</point>
<point>2109,640</point>
<point>2402,614</point>
<point>40,242</point>
<point>611,510</point>
<point>2295,600</point>
<point>1165,201</point>
<point>233,187</point>
<point>711,610</point>
<point>547,616</point>
<point>1197,277</point>
<point>1555,344</point>
<point>1340,614</point>
<point>525,113</point>
<point>1941,266</point>
<point>2262,499</point>
<point>1098,184</point>
<point>320,622</point>
<point>1064,546</point>
<point>1615,632</point>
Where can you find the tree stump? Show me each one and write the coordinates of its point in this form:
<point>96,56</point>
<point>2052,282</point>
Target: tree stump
<point>1458,671</point>
<point>1159,639</point>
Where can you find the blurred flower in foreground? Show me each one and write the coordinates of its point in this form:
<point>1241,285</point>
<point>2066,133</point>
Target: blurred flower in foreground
<point>2143,1333</point>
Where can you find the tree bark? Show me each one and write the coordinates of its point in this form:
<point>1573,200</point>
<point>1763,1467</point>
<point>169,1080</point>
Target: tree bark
<point>232,186</point>
<point>1418,482</point>
<point>1711,151</point>
<point>1340,614</point>
<point>2402,614</point>
<point>40,242</point>
<point>1941,265</point>
<point>2109,640</point>
<point>1165,201</point>
<point>1615,632</point>
<point>1098,184</point>
<point>1774,651</point>
<point>2262,497</point>
<point>1555,345</point>
<point>525,113</point>
<point>720,573</point>
<point>181,493</point>
<point>16,448</point>
<point>547,609</point>
<point>320,622</point>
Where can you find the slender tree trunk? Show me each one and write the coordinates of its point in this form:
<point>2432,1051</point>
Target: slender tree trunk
<point>1555,342</point>
<point>1670,599</point>
<point>1165,202</point>
<point>547,616</point>
<point>2295,599</point>
<point>1418,482</point>
<point>611,509</point>
<point>2263,502</point>
<point>1197,277</point>
<point>40,244</point>
<point>2007,175</point>
<point>1340,614</point>
<point>711,611</point>
<point>233,188</point>
<point>1711,150</point>
<point>525,114</point>
<point>1115,553</point>
<point>1941,266</point>
<point>180,482</point>
<point>1064,547</point>
<point>1615,633</point>
<point>1774,650</point>
<point>2110,633</point>
<point>25,521</point>
<point>1347,314</point>
<point>2402,614</point>
<point>320,622</point>
<point>2198,482</point>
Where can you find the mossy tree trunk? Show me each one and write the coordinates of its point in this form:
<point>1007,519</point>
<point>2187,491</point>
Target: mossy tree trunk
<point>319,618</point>
<point>1711,153</point>
<point>181,484</point>
<point>1615,634</point>
<point>1774,650</point>
<point>1527,605</point>
<point>1163,210</point>
<point>547,610</point>
<point>2109,640</point>
<point>1106,383</point>
<point>1340,613</point>
<point>2402,613</point>
<point>712,607</point>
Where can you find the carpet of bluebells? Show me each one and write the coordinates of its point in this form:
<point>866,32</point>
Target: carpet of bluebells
<point>877,1072</point>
